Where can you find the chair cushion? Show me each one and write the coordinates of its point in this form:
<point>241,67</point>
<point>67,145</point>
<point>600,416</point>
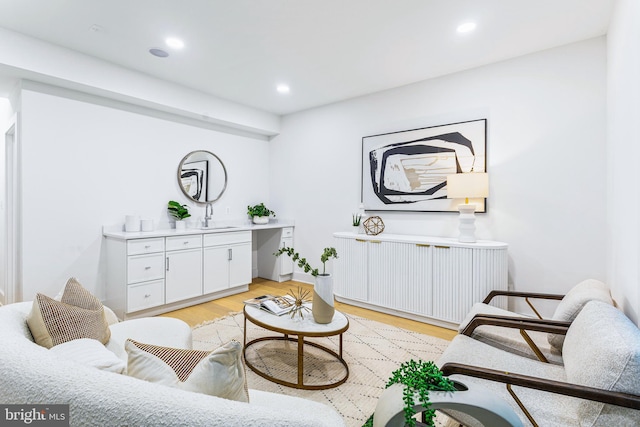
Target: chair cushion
<point>78,315</point>
<point>220,372</point>
<point>574,300</point>
<point>602,350</point>
<point>509,339</point>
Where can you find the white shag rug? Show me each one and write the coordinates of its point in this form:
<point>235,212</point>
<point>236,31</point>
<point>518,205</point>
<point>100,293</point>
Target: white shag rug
<point>371,349</point>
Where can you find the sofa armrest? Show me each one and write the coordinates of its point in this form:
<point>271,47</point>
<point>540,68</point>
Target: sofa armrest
<point>522,323</point>
<point>535,295</point>
<point>567,389</point>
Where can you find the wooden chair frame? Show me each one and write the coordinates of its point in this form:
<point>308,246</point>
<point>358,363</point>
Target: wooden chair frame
<point>510,379</point>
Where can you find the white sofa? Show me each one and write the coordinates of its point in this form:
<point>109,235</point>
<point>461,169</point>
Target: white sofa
<point>31,374</point>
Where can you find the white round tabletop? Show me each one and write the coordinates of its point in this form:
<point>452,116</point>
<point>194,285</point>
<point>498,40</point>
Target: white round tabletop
<point>306,326</point>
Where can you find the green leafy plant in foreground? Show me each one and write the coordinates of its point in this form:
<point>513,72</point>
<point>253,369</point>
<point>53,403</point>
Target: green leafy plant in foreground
<point>177,210</point>
<point>418,378</point>
<point>327,254</point>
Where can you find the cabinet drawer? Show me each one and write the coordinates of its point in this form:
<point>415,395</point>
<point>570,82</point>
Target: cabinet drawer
<point>145,246</point>
<point>145,295</point>
<point>215,239</point>
<point>141,268</point>
<point>287,232</point>
<point>184,242</point>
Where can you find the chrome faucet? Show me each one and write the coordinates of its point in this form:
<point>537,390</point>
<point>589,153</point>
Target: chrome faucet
<point>208,213</point>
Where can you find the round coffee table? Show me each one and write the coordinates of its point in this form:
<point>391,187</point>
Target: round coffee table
<point>301,328</point>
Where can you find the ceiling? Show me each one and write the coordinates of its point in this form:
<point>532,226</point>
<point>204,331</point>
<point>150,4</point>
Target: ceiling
<point>325,50</point>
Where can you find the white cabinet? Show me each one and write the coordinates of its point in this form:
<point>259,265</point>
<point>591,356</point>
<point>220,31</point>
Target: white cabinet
<point>269,241</point>
<point>431,279</point>
<point>183,275</point>
<point>148,276</point>
<point>227,260</point>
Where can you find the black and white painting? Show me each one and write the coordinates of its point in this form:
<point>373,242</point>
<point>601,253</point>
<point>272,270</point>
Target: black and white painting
<point>407,170</point>
<point>194,177</point>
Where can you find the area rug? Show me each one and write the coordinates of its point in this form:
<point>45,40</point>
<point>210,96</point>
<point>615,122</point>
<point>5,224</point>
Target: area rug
<point>371,349</point>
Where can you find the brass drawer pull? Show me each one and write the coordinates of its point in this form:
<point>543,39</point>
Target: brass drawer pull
<point>360,240</point>
<point>442,247</point>
<point>375,241</point>
<point>423,245</point>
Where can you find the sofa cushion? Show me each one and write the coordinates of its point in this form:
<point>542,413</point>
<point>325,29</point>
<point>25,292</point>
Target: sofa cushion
<point>220,372</point>
<point>602,350</point>
<point>91,353</point>
<point>78,315</point>
<point>574,300</point>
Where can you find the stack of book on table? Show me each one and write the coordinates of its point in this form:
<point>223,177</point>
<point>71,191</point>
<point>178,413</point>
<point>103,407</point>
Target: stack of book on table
<point>272,304</point>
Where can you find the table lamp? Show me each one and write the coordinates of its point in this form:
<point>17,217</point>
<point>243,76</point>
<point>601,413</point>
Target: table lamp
<point>465,186</point>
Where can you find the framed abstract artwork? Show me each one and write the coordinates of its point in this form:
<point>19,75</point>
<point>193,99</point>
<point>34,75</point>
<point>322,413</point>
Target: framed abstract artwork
<point>407,170</point>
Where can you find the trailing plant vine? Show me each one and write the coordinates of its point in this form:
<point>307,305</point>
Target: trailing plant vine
<point>418,378</point>
<point>327,254</point>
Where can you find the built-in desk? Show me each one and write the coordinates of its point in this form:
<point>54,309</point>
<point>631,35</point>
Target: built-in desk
<point>154,272</point>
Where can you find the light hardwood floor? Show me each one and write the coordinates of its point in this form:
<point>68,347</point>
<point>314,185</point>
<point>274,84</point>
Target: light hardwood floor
<point>221,307</point>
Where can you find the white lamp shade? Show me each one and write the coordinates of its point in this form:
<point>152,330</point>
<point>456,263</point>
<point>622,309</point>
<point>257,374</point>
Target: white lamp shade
<point>467,185</point>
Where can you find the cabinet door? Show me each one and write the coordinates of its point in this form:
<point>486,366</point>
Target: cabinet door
<point>239,264</point>
<point>389,281</point>
<point>452,282</point>
<point>419,298</point>
<point>216,268</point>
<point>183,275</point>
<point>286,263</point>
<point>350,269</point>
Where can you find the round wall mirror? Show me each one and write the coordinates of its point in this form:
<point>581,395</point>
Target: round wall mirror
<point>202,176</point>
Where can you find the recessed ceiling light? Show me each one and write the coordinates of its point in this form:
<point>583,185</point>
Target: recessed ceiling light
<point>282,88</point>
<point>174,43</point>
<point>158,52</point>
<point>466,27</point>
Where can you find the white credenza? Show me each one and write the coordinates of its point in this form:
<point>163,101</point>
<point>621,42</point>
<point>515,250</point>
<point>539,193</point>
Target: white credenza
<point>167,270</point>
<point>431,279</point>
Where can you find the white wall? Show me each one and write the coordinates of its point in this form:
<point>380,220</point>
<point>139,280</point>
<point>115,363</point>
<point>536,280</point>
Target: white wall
<point>546,151</point>
<point>623,153</point>
<point>6,114</point>
<point>86,165</point>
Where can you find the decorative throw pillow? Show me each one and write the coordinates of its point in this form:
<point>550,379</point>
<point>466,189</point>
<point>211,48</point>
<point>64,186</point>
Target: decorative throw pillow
<point>91,353</point>
<point>220,372</point>
<point>78,315</point>
<point>574,301</point>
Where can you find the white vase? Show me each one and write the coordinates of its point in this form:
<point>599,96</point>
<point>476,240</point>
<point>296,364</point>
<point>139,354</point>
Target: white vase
<point>323,305</point>
<point>181,225</point>
<point>260,219</point>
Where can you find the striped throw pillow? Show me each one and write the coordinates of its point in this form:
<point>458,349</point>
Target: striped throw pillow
<point>78,315</point>
<point>220,372</point>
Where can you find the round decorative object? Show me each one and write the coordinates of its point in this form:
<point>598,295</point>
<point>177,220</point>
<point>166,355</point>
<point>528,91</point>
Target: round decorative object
<point>374,225</point>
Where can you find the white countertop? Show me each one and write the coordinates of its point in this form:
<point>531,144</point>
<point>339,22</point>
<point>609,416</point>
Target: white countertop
<point>426,240</point>
<point>116,232</point>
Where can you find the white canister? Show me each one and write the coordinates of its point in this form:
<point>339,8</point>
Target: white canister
<point>132,223</point>
<point>146,224</point>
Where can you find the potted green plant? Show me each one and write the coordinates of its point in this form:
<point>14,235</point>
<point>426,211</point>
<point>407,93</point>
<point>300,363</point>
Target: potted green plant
<point>416,379</point>
<point>355,222</point>
<point>179,212</point>
<point>323,305</point>
<point>260,213</point>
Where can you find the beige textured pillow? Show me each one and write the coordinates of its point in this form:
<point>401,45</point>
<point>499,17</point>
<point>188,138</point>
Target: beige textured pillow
<point>78,315</point>
<point>218,373</point>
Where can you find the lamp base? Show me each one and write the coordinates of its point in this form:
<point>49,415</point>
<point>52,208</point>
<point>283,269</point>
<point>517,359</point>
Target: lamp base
<point>467,225</point>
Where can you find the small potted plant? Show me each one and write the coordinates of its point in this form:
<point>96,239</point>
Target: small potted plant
<point>412,381</point>
<point>260,213</point>
<point>323,305</point>
<point>179,212</point>
<point>355,222</point>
